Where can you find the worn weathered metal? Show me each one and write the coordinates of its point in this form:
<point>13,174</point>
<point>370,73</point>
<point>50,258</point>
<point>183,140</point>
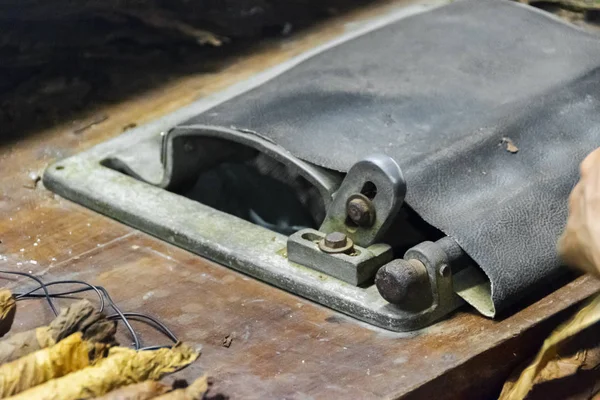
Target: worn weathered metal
<point>380,175</point>
<point>404,282</point>
<point>253,250</point>
<point>360,210</point>
<point>355,266</point>
<point>336,242</point>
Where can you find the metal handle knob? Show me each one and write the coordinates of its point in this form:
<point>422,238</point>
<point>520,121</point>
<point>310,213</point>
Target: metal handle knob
<point>404,283</point>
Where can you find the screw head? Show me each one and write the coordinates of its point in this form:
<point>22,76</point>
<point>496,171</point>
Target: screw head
<point>336,240</point>
<point>360,210</point>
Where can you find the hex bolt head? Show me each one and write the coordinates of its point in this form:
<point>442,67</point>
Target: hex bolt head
<point>336,240</point>
<point>360,210</point>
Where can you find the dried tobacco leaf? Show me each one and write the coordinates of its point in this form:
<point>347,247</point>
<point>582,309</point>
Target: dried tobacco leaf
<point>8,308</point>
<point>68,355</point>
<point>548,364</point>
<point>80,316</point>
<point>122,367</point>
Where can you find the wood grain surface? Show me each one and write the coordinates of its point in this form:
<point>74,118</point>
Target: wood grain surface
<point>282,346</point>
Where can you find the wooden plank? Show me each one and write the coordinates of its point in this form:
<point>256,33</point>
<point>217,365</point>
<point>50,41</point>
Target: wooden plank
<point>283,346</point>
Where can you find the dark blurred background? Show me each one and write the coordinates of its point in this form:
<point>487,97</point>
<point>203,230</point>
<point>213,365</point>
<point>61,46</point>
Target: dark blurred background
<point>59,57</point>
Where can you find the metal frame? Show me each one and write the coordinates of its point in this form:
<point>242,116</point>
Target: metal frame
<point>220,237</point>
<point>258,252</point>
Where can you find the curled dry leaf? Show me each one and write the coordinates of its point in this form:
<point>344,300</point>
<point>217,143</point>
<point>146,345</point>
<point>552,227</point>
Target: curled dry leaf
<point>80,316</point>
<point>68,355</point>
<point>553,362</point>
<point>122,367</point>
<point>8,309</point>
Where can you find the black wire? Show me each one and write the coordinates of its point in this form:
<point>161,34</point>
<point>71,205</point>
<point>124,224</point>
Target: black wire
<point>39,281</point>
<point>148,348</point>
<point>159,326</point>
<point>134,336</point>
<point>149,320</point>
<point>64,294</point>
<point>102,294</point>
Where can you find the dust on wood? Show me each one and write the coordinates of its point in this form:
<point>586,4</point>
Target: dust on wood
<point>35,178</point>
<point>227,340</point>
<point>84,126</point>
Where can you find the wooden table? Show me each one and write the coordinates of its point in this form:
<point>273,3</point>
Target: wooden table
<point>283,346</point>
